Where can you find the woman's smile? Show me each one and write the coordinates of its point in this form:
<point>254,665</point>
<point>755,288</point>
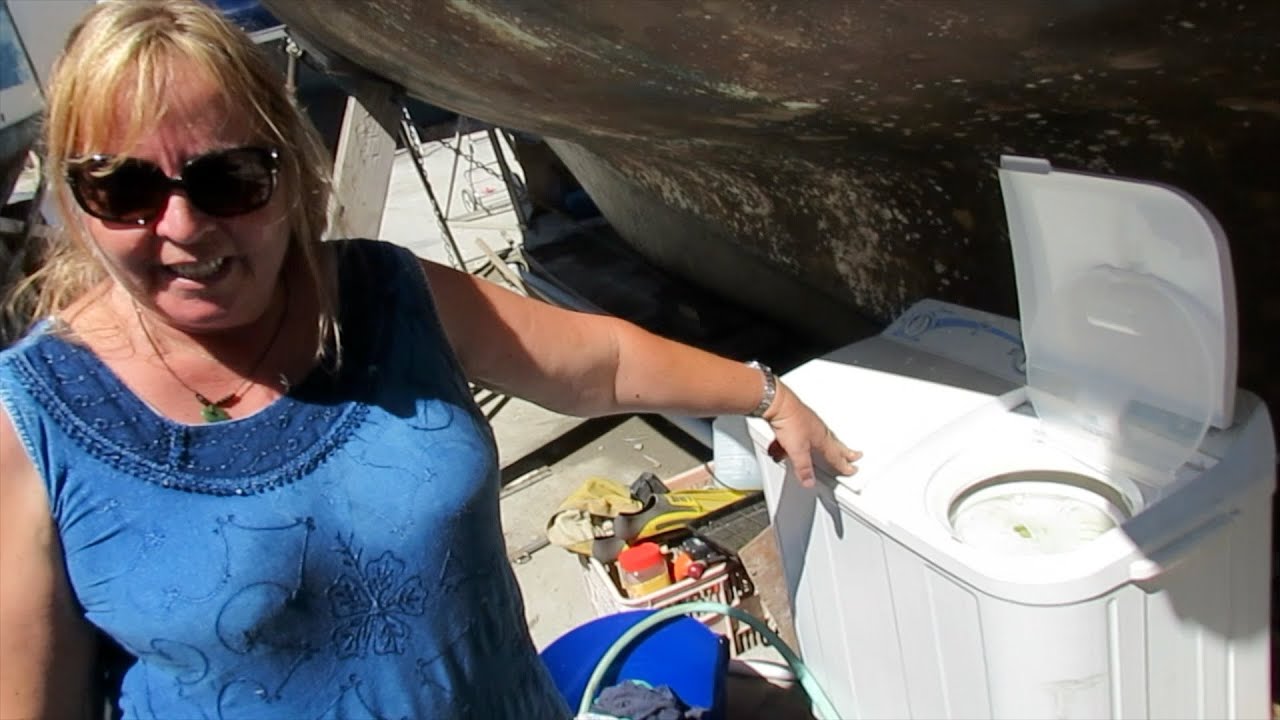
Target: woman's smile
<point>205,272</point>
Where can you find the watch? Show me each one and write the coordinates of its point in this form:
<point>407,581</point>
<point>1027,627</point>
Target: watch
<point>770,388</point>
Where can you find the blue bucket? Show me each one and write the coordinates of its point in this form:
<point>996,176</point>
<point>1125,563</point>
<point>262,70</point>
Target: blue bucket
<point>681,653</point>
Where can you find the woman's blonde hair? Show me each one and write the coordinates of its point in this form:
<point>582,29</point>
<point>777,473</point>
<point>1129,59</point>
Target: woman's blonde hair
<point>115,68</point>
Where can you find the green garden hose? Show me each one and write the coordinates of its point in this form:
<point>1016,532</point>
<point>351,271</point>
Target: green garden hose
<point>807,682</point>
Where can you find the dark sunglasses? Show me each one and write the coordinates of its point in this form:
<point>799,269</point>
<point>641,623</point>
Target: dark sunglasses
<point>222,183</point>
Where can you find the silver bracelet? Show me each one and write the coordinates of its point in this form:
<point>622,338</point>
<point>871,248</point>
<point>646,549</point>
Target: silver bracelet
<point>770,388</point>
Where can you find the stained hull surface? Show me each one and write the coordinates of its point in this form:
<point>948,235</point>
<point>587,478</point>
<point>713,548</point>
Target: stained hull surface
<point>820,161</point>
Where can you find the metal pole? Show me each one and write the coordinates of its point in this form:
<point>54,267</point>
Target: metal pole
<point>453,172</point>
<point>409,136</point>
<point>292,53</point>
<point>508,180</point>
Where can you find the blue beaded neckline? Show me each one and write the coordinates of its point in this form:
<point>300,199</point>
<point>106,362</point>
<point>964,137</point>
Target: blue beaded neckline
<point>271,448</point>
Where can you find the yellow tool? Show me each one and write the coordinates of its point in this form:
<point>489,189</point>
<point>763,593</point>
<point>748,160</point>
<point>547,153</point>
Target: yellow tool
<point>664,513</point>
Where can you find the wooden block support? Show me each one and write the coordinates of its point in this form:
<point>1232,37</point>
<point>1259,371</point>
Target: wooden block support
<point>361,175</point>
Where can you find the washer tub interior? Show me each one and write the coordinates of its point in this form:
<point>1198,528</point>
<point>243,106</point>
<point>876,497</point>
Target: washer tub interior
<point>1036,512</point>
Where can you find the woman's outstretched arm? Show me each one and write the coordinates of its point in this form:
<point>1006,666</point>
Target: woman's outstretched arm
<point>585,364</point>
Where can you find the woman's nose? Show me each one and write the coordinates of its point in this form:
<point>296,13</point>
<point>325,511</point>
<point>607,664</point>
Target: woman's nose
<point>180,221</point>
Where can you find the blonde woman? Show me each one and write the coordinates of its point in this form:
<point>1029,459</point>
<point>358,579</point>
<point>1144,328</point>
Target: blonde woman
<point>250,458</point>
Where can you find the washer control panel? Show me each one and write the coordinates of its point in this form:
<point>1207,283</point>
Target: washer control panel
<point>986,341</point>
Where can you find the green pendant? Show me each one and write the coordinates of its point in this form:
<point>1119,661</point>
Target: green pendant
<point>212,413</point>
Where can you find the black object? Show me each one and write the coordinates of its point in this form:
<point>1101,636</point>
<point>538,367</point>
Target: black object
<point>729,531</point>
<point>701,552</point>
<point>646,486</point>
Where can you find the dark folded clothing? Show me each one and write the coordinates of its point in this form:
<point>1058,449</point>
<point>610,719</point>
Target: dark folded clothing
<point>637,700</point>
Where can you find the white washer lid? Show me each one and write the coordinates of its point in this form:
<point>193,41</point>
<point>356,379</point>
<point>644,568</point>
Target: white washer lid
<point>1127,305</point>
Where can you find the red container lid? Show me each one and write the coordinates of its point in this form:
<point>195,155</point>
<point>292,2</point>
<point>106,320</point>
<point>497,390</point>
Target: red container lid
<point>640,557</point>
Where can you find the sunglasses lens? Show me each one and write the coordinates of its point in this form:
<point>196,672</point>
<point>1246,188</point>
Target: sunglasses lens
<point>231,182</point>
<point>224,184</point>
<point>132,191</point>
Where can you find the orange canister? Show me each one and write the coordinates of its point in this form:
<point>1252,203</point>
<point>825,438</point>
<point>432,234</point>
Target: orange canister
<point>642,569</point>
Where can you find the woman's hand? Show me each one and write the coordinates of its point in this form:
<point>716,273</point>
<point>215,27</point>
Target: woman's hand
<point>805,440</point>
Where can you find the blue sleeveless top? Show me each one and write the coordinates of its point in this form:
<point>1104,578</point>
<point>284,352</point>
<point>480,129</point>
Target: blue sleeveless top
<point>336,555</point>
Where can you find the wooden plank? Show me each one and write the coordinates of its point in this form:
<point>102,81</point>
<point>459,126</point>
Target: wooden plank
<point>361,174</point>
<point>501,266</point>
<point>763,562</point>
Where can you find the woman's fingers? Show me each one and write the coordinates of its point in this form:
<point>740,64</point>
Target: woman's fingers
<point>842,458</point>
<point>828,449</point>
<point>802,465</point>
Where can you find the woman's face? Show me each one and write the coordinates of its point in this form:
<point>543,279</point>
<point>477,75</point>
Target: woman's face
<point>199,272</point>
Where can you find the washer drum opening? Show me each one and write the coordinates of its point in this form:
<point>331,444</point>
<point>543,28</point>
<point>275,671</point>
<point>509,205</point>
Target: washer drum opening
<point>1036,512</point>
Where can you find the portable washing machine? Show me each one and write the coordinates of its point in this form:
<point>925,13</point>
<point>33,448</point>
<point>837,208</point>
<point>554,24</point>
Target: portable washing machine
<point>1082,530</point>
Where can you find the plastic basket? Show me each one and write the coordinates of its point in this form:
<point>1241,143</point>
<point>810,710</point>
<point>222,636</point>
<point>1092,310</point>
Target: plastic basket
<point>716,585</point>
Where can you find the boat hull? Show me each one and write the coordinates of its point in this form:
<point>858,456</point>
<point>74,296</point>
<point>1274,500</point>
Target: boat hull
<point>829,162</point>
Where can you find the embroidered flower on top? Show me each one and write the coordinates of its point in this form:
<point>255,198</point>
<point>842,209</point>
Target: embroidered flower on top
<point>371,601</point>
